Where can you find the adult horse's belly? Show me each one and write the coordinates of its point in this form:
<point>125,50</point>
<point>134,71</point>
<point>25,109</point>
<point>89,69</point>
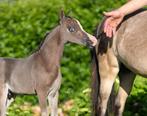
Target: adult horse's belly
<point>131,45</point>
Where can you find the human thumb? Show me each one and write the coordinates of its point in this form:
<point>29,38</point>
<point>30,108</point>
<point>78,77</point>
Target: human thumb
<point>108,13</point>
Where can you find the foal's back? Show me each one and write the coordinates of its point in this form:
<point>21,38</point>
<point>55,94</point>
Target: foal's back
<point>16,73</point>
<point>131,42</point>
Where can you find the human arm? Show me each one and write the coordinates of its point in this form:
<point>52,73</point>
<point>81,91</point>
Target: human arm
<point>116,16</point>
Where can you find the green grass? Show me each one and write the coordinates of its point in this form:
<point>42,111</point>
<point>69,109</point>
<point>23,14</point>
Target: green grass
<point>137,101</point>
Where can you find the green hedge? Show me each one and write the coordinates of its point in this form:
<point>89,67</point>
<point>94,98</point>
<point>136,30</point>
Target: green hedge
<point>23,24</point>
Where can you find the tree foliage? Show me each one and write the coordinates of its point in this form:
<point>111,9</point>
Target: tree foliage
<point>23,24</point>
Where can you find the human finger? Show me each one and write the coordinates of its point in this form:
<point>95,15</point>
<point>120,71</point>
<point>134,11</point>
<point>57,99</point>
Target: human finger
<point>107,23</point>
<point>110,32</point>
<point>114,31</point>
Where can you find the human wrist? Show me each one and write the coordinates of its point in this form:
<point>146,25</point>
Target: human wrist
<point>121,12</point>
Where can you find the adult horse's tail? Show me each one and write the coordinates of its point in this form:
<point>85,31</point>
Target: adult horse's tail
<point>99,34</point>
<point>95,82</point>
<point>95,75</point>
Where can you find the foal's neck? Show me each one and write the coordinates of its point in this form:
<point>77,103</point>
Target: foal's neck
<point>52,49</point>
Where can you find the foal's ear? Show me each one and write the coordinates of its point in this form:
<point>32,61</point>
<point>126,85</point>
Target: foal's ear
<point>62,16</point>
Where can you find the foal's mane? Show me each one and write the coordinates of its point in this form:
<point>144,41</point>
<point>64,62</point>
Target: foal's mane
<point>47,34</point>
<point>41,43</point>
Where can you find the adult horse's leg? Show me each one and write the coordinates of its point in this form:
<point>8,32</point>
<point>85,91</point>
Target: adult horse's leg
<point>3,98</point>
<point>126,81</point>
<point>108,70</point>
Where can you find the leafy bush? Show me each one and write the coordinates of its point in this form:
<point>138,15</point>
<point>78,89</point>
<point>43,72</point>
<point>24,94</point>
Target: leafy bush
<point>23,24</point>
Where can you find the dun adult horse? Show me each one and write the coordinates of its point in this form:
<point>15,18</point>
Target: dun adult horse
<point>40,72</point>
<point>125,55</point>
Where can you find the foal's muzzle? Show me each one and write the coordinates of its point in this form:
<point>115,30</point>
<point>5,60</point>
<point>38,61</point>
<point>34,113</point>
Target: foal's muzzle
<point>90,40</point>
<point>89,43</point>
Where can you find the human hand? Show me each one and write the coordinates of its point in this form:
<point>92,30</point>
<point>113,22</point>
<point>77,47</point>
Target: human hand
<point>111,23</point>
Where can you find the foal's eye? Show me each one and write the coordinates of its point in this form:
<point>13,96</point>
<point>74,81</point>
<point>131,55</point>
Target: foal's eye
<point>71,29</point>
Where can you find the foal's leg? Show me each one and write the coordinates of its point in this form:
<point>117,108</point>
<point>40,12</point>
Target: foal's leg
<point>126,81</point>
<point>3,98</point>
<point>53,95</point>
<point>9,101</point>
<point>42,95</point>
<point>53,103</point>
<point>10,98</point>
<point>108,68</point>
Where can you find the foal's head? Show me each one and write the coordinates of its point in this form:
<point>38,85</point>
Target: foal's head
<point>72,31</point>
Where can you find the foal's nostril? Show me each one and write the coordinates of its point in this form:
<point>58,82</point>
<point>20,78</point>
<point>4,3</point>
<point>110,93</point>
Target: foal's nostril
<point>89,43</point>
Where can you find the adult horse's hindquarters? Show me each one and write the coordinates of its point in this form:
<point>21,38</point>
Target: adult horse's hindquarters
<point>125,55</point>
